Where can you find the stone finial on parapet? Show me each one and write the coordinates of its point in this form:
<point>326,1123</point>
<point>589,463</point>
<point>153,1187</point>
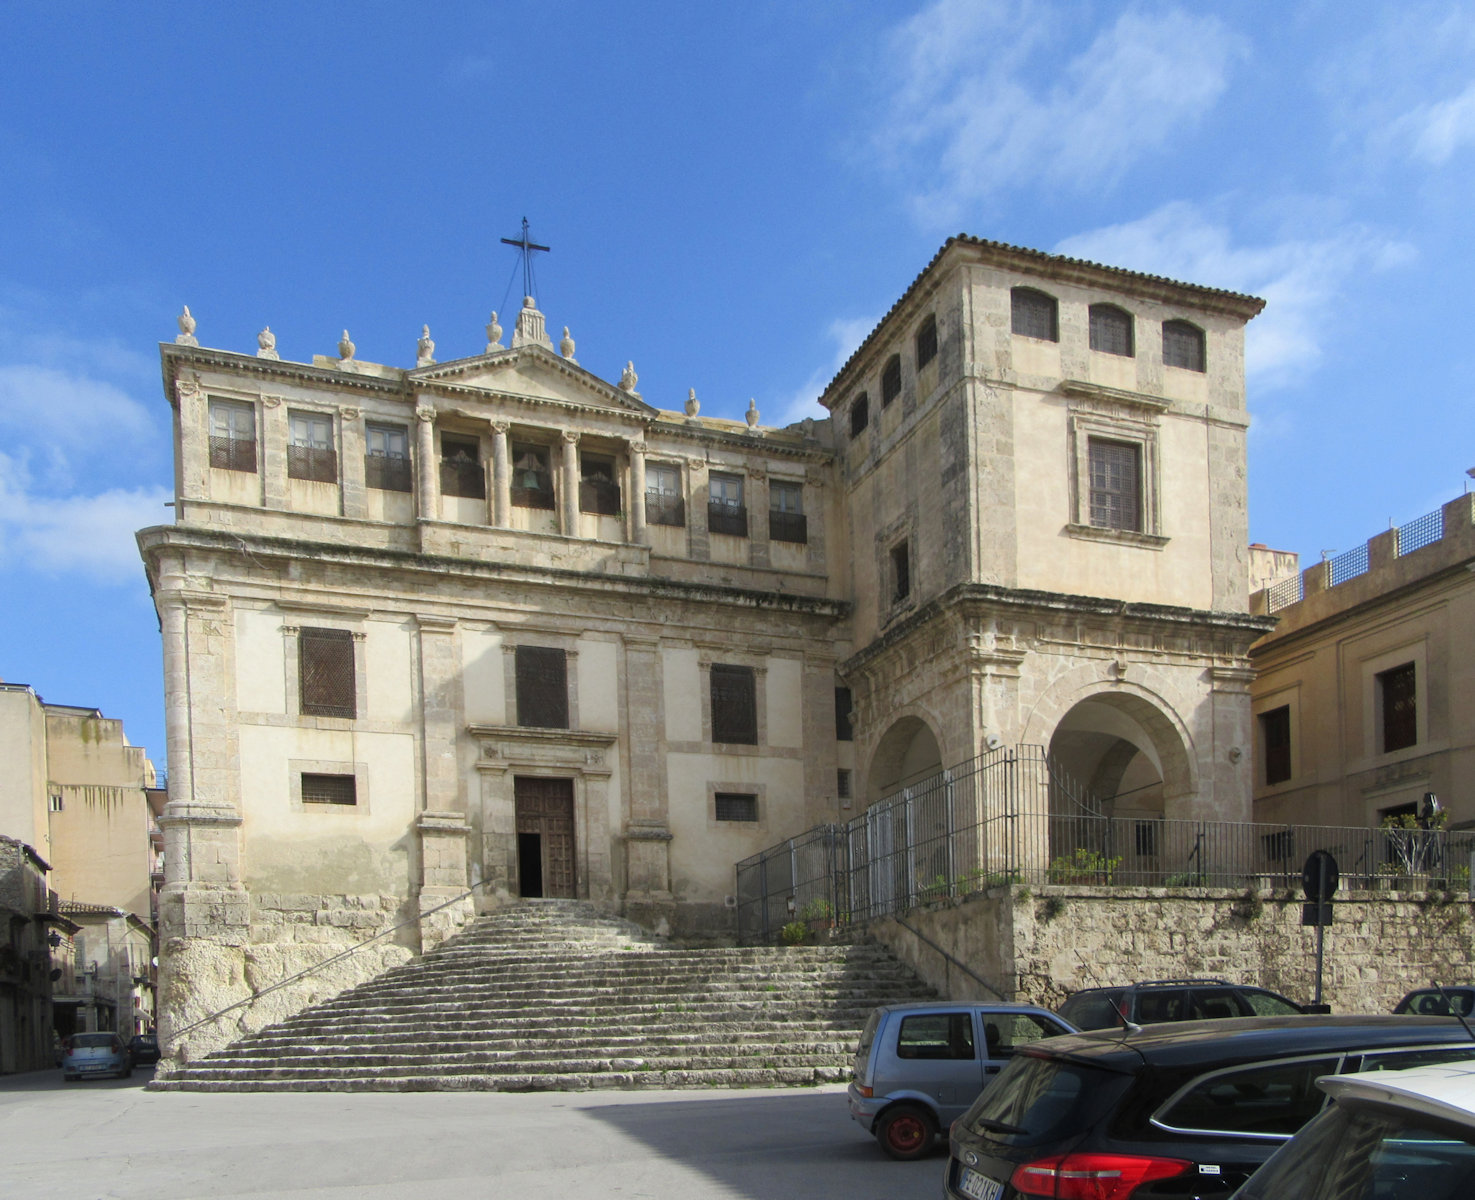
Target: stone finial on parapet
<point>425,348</point>
<point>266,344</point>
<point>693,405</point>
<point>628,379</point>
<point>186,336</point>
<point>751,416</point>
<point>494,334</point>
<point>566,346</point>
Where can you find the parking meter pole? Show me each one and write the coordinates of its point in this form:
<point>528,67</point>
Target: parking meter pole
<point>1321,894</point>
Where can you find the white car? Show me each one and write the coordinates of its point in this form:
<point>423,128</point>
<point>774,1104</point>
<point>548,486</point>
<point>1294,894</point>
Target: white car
<point>1388,1135</point>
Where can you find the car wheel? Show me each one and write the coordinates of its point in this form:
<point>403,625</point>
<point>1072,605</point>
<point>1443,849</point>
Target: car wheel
<point>906,1131</point>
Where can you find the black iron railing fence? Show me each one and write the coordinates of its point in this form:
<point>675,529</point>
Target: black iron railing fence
<point>1014,816</point>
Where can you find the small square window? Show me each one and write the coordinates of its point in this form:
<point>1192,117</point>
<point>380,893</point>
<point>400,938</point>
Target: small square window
<point>1183,345</point>
<point>329,789</point>
<point>736,806</point>
<point>1111,330</point>
<point>310,453</point>
<point>891,380</point>
<point>232,435</point>
<point>55,802</point>
<point>1034,314</point>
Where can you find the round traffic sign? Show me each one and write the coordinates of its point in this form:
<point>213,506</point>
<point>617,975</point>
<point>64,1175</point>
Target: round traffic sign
<point>1319,877</point>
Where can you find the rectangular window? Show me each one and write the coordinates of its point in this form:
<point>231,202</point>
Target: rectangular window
<point>310,453</point>
<point>1116,485</point>
<point>55,801</point>
<point>860,414</point>
<point>325,673</point>
<point>329,789</point>
<point>734,705</point>
<point>1400,711</point>
<point>842,783</point>
<point>1111,330</point>
<point>1183,345</point>
<point>725,510</point>
<point>461,472</point>
<point>1034,314</point>
<point>663,501</point>
<point>1275,737</point>
<point>599,490</point>
<point>936,1035</point>
<point>891,380</point>
<point>387,458</point>
<point>542,687</point>
<point>532,478</point>
<point>843,704</point>
<point>786,520</point>
<point>736,806</point>
<point>901,573</point>
<point>927,342</point>
<point>232,435</point>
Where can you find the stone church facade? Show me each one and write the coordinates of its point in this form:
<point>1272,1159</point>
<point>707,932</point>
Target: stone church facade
<point>499,624</point>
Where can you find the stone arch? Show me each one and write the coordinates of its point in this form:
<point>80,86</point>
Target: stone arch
<point>909,750</point>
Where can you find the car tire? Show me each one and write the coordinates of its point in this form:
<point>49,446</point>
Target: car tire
<point>906,1132</point>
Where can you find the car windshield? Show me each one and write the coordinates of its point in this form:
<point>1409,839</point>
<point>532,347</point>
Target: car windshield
<point>1368,1154</point>
<point>92,1040</point>
<point>1037,1099</point>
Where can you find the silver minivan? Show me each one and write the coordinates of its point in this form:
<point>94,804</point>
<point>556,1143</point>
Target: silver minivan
<point>919,1066</point>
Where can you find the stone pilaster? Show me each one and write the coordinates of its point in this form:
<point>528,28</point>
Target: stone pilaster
<point>440,681</point>
<point>697,495</point>
<point>501,477</point>
<point>445,905</point>
<point>272,461</point>
<point>351,441</point>
<point>569,493</point>
<point>428,464</point>
<point>637,493</point>
<point>756,499</point>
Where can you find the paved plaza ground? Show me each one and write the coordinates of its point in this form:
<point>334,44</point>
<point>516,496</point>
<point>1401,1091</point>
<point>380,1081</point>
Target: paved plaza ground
<point>106,1138</point>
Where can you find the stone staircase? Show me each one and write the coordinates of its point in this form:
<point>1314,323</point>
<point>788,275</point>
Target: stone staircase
<point>551,995</point>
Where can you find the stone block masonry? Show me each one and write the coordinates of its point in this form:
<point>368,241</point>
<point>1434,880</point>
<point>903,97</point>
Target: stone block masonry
<point>1039,945</point>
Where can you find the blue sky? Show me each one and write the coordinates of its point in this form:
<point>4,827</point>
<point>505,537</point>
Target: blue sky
<point>733,195</point>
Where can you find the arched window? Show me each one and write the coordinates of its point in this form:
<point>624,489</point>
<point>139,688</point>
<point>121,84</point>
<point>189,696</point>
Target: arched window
<point>891,380</point>
<point>860,414</point>
<point>1111,330</point>
<point>1183,345</point>
<point>927,342</point>
<point>1035,314</point>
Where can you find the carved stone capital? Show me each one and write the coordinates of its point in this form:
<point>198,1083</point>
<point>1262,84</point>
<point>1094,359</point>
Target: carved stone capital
<point>570,437</point>
<point>758,471</point>
<point>350,413</point>
<point>271,401</point>
<point>188,389</point>
<point>425,414</point>
<point>639,448</point>
<point>501,427</point>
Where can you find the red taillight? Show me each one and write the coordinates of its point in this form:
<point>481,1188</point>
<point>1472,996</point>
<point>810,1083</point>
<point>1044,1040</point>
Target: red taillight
<point>1093,1176</point>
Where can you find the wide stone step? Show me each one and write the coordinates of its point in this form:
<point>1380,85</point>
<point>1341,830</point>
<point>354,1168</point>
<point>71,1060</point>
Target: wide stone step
<point>333,1067</point>
<point>541,1050</point>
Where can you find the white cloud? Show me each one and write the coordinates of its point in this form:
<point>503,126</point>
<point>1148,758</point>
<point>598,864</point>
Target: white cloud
<point>846,334</point>
<point>1435,131</point>
<point>1299,278</point>
<point>982,100</point>
<point>86,535</point>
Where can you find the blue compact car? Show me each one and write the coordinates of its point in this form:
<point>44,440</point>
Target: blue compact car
<point>87,1054</point>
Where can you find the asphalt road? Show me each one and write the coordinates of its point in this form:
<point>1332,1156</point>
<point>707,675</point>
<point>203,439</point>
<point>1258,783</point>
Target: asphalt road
<point>110,1138</point>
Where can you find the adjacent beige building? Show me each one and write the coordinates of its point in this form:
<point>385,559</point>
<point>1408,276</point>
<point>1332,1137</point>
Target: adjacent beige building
<point>1364,695</point>
<point>500,623</point>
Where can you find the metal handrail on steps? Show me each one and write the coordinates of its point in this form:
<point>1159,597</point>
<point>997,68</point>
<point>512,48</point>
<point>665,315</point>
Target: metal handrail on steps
<point>327,962</point>
<point>948,958</point>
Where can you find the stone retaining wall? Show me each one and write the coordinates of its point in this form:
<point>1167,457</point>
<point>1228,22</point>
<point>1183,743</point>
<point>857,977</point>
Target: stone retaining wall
<point>1041,944</point>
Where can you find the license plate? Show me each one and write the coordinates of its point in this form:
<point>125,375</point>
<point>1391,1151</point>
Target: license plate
<point>979,1187</point>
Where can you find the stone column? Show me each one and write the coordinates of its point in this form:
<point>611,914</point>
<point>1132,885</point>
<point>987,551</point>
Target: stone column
<point>428,473</point>
<point>636,505</point>
<point>570,499</point>
<point>501,477</point>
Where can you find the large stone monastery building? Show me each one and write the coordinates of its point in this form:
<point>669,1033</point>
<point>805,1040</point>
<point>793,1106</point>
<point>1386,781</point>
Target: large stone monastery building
<point>500,622</point>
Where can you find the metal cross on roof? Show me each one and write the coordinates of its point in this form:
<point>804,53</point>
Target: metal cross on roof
<point>526,248</point>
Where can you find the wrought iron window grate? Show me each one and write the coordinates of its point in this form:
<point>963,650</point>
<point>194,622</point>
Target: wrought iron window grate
<point>731,519</point>
<point>329,789</point>
<point>542,687</point>
<point>788,527</point>
<point>1034,314</point>
<point>734,706</point>
<point>233,454</point>
<point>661,508</point>
<point>316,464</point>
<point>736,806</point>
<point>1420,532</point>
<point>326,673</point>
<point>387,472</point>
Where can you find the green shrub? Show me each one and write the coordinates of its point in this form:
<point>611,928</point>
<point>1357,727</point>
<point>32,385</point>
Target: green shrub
<point>794,933</point>
<point>1084,866</point>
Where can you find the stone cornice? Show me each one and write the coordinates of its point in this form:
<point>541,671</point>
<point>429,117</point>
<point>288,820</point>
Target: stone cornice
<point>1080,389</point>
<point>174,358</point>
<point>443,377</point>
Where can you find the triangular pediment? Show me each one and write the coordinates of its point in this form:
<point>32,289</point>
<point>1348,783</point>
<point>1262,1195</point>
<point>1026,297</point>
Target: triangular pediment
<point>533,373</point>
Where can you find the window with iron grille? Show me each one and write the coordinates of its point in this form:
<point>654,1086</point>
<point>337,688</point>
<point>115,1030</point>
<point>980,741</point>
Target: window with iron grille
<point>387,458</point>
<point>1275,737</point>
<point>663,501</point>
<point>461,472</point>
<point>860,414</point>
<point>542,687</point>
<point>55,802</point>
<point>232,435</point>
<point>310,453</point>
<point>891,380</point>
<point>842,783</point>
<point>329,789</point>
<point>734,705</point>
<point>901,572</point>
<point>736,806</point>
<point>325,673</point>
<point>725,510</point>
<point>1400,708</point>
<point>1111,330</point>
<point>599,490</point>
<point>844,732</point>
<point>532,478</point>
<point>926,342</point>
<point>1278,846</point>
<point>1116,485</point>
<point>786,520</point>
<point>1183,345</point>
<point>1034,314</point>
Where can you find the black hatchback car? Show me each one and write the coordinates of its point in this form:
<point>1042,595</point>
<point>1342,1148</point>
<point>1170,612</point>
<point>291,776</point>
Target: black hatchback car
<point>1172,1112</point>
<point>1156,1000</point>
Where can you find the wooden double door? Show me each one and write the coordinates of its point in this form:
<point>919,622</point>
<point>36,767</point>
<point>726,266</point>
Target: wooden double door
<point>545,837</point>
